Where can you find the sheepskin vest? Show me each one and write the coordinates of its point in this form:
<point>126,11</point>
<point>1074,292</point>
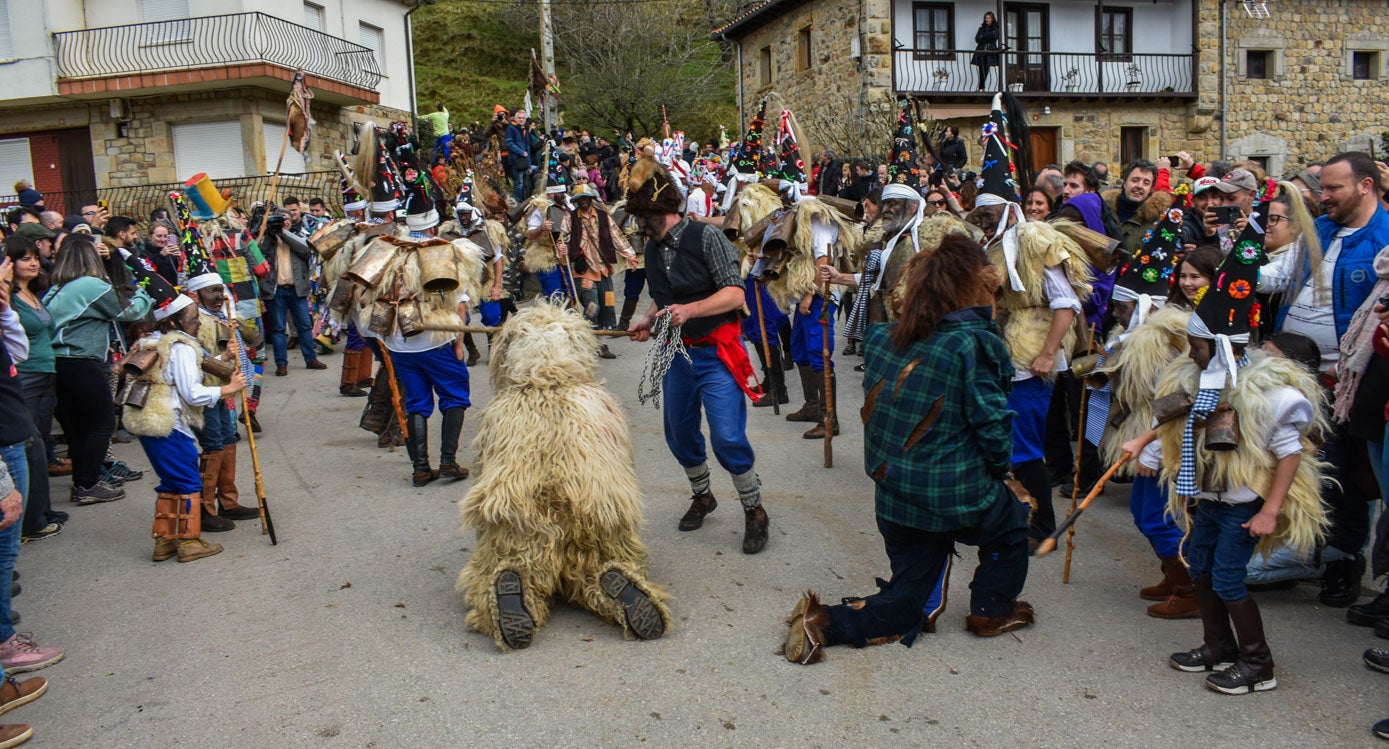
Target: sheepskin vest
<point>156,419</point>
<point>1134,368</point>
<point>1026,315</point>
<point>686,280</point>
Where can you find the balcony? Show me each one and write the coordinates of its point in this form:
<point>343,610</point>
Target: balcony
<point>196,54</point>
<point>948,73</point>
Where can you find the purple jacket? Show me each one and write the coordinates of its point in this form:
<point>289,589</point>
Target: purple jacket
<point>1090,209</point>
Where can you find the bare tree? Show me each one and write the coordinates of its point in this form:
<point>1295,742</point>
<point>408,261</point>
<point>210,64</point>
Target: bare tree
<point>862,132</point>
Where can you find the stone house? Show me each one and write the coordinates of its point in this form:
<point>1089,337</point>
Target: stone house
<point>132,92</point>
<point>1102,80</point>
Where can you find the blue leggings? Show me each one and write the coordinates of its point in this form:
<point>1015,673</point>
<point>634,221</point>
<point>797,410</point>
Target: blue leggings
<point>808,337</point>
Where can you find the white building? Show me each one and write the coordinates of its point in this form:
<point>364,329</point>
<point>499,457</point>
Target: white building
<point>112,93</point>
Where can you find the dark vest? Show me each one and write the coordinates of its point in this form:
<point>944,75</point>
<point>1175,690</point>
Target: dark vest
<point>687,280</point>
<point>16,423</point>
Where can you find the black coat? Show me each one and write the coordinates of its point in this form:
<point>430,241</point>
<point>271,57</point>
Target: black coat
<point>829,178</point>
<point>986,38</point>
<point>953,153</point>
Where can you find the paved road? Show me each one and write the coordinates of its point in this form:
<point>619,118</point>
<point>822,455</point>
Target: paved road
<point>348,633</point>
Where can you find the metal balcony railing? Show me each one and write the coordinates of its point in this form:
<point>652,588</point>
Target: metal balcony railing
<point>1054,74</point>
<point>210,42</point>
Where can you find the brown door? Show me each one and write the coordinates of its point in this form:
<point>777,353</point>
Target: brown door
<point>75,165</point>
<point>1131,144</point>
<point>1043,141</point>
<point>1026,32</point>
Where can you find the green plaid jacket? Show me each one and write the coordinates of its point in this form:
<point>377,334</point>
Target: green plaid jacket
<point>938,434</point>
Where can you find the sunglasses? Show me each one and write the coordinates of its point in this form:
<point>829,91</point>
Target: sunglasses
<point>936,203</point>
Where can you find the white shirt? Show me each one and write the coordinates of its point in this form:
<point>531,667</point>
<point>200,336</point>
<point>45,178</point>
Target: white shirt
<point>184,372</point>
<point>822,239</point>
<point>1291,414</point>
<point>700,203</point>
<point>1060,295</point>
<point>1311,313</point>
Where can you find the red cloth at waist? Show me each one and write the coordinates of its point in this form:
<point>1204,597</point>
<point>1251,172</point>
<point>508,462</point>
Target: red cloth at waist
<point>727,340</point>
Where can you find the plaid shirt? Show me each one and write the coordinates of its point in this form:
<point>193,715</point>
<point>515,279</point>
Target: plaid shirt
<point>938,479</point>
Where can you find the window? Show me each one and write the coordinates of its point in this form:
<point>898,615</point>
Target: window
<point>374,39</point>
<point>1256,64</point>
<point>1116,34</point>
<point>764,66</point>
<point>6,45</point>
<point>803,49</point>
<point>933,31</point>
<point>313,16</point>
<point>274,133</point>
<point>166,21</point>
<point>211,147</point>
<point>1262,161</point>
<point>1364,65</point>
<point>1131,144</point>
<point>15,163</point>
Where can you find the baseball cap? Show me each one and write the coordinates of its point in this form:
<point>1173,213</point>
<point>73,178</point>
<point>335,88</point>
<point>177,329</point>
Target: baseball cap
<point>1239,179</point>
<point>31,230</point>
<point>1204,183</point>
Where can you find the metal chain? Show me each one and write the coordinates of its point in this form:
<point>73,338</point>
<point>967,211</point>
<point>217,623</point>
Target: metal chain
<point>665,345</point>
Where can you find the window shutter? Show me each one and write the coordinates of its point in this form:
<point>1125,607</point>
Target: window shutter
<point>373,38</point>
<point>15,163</point>
<point>163,10</point>
<point>313,16</point>
<point>274,133</point>
<point>211,147</point>
<point>6,44</point>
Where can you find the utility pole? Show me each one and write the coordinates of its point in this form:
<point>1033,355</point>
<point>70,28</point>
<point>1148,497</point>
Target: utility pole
<point>547,63</point>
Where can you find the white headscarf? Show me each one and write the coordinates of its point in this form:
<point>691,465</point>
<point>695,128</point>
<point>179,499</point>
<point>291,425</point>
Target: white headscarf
<point>1009,236</point>
<point>899,191</point>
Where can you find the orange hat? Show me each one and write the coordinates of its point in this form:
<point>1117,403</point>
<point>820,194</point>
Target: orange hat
<point>498,109</point>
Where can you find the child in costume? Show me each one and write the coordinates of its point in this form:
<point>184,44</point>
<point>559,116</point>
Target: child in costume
<point>1246,455</point>
<point>164,418</point>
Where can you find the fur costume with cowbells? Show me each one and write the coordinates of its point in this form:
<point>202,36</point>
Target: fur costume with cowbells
<point>555,500</point>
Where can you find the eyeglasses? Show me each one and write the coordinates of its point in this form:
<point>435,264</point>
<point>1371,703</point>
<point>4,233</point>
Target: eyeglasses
<point>937,203</point>
<point>1273,220</point>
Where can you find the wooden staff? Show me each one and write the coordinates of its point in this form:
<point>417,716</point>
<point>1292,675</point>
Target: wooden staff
<point>489,329</point>
<point>1048,544</point>
<point>267,526</point>
<point>1075,485</point>
<point>395,389</point>
<point>274,185</point>
<point>827,407</point>
<point>766,349</point>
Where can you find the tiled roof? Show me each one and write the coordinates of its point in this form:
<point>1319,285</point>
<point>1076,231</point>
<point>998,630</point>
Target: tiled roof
<point>755,17</point>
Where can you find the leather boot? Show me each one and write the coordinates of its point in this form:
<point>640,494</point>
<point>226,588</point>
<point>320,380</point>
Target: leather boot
<point>378,406</point>
<point>773,379</point>
<point>1182,603</point>
<point>700,505</point>
<point>210,464</point>
<point>228,496</point>
<point>365,363</point>
<point>1162,589</point>
<point>473,354</point>
<point>754,529</point>
<point>193,547</point>
<point>448,444</point>
<point>817,432</point>
<point>351,374</point>
<point>812,384</point>
<point>629,308</point>
<point>417,442</point>
<point>1218,648</point>
<point>1253,671</point>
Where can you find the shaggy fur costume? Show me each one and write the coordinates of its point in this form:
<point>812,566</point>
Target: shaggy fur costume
<point>1302,522</point>
<point>929,234</point>
<point>554,495</point>
<point>798,275</point>
<point>1134,371</point>
<point>1025,315</point>
<point>752,204</point>
<point>541,255</point>
<point>156,419</point>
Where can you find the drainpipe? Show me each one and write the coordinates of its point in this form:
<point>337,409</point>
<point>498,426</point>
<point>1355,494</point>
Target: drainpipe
<point>410,69</point>
<point>739,47</point>
<point>1224,150</point>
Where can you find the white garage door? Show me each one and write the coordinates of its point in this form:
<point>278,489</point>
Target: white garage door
<point>15,163</point>
<point>211,147</point>
<point>274,138</point>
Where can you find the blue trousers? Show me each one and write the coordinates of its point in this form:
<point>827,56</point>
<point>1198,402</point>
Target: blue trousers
<point>808,336</point>
<point>552,282</point>
<point>522,179</point>
<point>705,381</point>
<point>491,313</point>
<point>1030,400</point>
<point>219,427</point>
<point>772,316</point>
<point>18,465</point>
<point>1220,547</point>
<point>429,373</point>
<point>175,461</point>
<point>632,283</point>
<point>1148,503</point>
<point>286,302</point>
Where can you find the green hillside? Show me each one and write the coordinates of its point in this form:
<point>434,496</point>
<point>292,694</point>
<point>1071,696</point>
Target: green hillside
<point>471,56</point>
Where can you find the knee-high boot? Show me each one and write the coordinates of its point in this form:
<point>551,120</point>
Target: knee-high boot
<point>377,412</point>
<point>448,444</point>
<point>1217,649</point>
<point>813,385</point>
<point>417,444</point>
<point>629,308</point>
<point>211,464</point>
<point>1253,671</point>
<point>817,432</point>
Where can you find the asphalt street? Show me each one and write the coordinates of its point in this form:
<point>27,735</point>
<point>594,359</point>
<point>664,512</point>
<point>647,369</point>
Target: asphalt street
<point>349,633</point>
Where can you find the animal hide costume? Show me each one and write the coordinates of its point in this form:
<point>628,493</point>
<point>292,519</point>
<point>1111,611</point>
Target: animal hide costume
<point>1025,315</point>
<point>554,499</point>
<point>1133,374</point>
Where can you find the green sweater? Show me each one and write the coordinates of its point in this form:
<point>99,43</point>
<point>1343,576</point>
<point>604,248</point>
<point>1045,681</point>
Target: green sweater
<point>83,310</point>
<point>38,325</point>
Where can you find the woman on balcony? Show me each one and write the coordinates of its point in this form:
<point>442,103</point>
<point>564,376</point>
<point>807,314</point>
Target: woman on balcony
<point>985,40</point>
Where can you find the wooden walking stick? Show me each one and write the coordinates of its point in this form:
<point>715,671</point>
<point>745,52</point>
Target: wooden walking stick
<point>267,526</point>
<point>827,407</point>
<point>1075,484</point>
<point>395,389</point>
<point>1048,544</point>
<point>766,349</point>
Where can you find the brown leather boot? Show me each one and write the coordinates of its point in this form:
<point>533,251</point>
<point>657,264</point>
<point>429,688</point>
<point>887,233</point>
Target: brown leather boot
<point>228,496</point>
<point>193,547</point>
<point>1162,589</point>
<point>210,465</point>
<point>700,505</point>
<point>813,385</point>
<point>755,529</point>
<point>1182,603</point>
<point>993,626</point>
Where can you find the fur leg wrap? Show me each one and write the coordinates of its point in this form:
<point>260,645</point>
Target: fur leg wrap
<point>477,583</point>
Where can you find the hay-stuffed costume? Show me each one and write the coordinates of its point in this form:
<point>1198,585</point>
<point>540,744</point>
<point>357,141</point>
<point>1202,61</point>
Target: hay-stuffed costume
<point>694,264</point>
<point>1246,454</point>
<point>543,256</point>
<point>1046,275</point>
<point>554,499</point>
<point>1121,402</point>
<point>162,407</point>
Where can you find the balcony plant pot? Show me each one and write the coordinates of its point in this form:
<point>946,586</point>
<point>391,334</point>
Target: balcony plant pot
<point>1070,88</point>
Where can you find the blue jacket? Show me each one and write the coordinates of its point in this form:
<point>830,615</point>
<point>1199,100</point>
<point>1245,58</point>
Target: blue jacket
<point>517,144</point>
<point>1354,277</point>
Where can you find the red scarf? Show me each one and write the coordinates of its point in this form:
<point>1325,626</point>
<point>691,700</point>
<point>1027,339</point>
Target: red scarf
<point>728,342</point>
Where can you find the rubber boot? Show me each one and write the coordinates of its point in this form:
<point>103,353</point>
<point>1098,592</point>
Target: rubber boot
<point>211,468</point>
<point>1181,604</point>
<point>817,432</point>
<point>629,308</point>
<point>473,354</point>
<point>1218,648</point>
<point>417,443</point>
<point>448,444</point>
<point>228,496</point>
<point>1253,671</point>
<point>812,384</point>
